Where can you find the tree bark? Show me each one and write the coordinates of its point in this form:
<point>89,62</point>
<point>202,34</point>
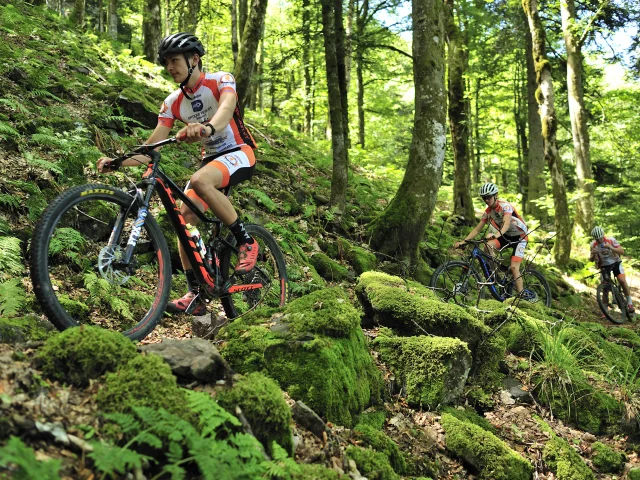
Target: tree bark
<point>361,20</point>
<point>348,46</point>
<point>234,32</point>
<point>242,18</point>
<point>342,69</point>
<point>78,13</point>
<point>537,187</point>
<point>339,180</point>
<point>519,117</point>
<point>189,19</point>
<point>167,18</point>
<point>476,135</point>
<point>100,24</point>
<point>152,29</point>
<point>248,49</point>
<point>578,114</point>
<point>458,62</point>
<point>113,19</point>
<point>398,231</point>
<point>306,48</point>
<point>545,98</point>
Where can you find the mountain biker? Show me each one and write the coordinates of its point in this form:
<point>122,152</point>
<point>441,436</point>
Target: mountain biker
<point>512,230</point>
<point>207,104</point>
<point>606,251</point>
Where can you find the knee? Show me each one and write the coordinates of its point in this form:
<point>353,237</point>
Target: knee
<point>203,179</point>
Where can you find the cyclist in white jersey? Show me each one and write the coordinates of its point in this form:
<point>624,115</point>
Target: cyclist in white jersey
<point>606,251</point>
<point>512,230</point>
<point>205,103</point>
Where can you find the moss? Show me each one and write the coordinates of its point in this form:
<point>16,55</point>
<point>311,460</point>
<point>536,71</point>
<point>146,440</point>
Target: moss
<point>380,442</point>
<point>326,311</point>
<point>565,462</point>
<point>373,419</point>
<point>370,278</point>
<point>469,415</point>
<point>362,260</point>
<point>414,314</point>
<point>487,358</point>
<point>23,329</point>
<point>490,455</point>
<point>595,328</point>
<point>607,459</point>
<point>265,408</point>
<point>634,474</point>
<point>522,335</point>
<point>627,335</point>
<point>146,381</point>
<point>373,465</point>
<point>316,472</point>
<point>432,369</point>
<point>80,354</point>
<point>328,269</point>
<point>73,307</point>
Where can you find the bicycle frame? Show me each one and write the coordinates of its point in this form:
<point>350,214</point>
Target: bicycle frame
<point>153,176</point>
<point>480,255</point>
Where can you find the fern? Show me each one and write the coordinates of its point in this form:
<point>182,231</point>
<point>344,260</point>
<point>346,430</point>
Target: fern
<point>12,298</point>
<point>111,459</point>
<point>66,240</point>
<point>7,130</point>
<point>10,256</point>
<point>122,119</point>
<point>10,200</point>
<point>212,415</point>
<point>24,464</point>
<point>262,198</point>
<point>5,228</point>
<point>40,93</point>
<point>43,164</point>
<point>15,105</point>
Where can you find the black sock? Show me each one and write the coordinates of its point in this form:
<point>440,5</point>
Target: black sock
<point>242,237</point>
<point>192,283</point>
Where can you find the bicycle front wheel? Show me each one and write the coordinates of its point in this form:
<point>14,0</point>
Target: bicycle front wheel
<point>76,267</point>
<point>270,271</point>
<point>535,285</point>
<point>611,302</point>
<point>455,281</point>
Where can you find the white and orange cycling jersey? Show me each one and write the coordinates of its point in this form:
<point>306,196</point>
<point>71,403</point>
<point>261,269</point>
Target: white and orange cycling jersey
<point>206,99</point>
<point>495,215</point>
<point>607,256</point>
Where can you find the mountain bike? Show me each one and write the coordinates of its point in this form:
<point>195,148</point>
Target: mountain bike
<point>610,296</point>
<point>466,281</point>
<point>98,255</point>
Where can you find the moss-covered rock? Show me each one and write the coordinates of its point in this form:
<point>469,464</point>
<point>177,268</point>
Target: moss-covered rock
<point>360,259</point>
<point>25,329</point>
<point>314,349</point>
<point>329,269</point>
<point>145,381</point>
<point>607,459</point>
<point>625,335</point>
<point>431,370</point>
<point>380,442</point>
<point>471,416</point>
<point>487,357</point>
<point>391,304</point>
<point>634,474</point>
<point>80,354</point>
<point>265,408</point>
<point>373,465</point>
<point>316,472</point>
<point>493,458</point>
<point>522,334</point>
<point>374,418</point>
<point>565,462</point>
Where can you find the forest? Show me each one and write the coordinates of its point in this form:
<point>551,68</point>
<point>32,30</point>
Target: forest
<point>376,124</point>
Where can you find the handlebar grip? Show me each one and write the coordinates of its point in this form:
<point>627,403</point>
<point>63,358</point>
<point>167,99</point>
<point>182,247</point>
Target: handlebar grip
<point>182,137</point>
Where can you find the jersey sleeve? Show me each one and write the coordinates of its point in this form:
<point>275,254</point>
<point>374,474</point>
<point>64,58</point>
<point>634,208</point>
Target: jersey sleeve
<point>166,117</point>
<point>614,242</point>
<point>507,208</point>
<point>226,83</point>
<point>485,216</point>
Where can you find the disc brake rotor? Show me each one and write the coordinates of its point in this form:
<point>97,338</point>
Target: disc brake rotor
<point>109,255</point>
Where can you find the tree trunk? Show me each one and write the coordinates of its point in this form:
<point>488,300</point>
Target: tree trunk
<point>39,3</point>
<point>306,48</point>
<point>578,114</point>
<point>152,29</point>
<point>398,231</point>
<point>458,124</point>
<point>519,117</point>
<point>248,49</point>
<point>189,20</point>
<point>545,97</point>
<point>100,18</point>
<point>78,13</point>
<point>348,46</point>
<point>476,135</point>
<point>113,19</point>
<point>537,188</point>
<point>242,19</point>
<point>360,26</point>
<point>342,69</point>
<point>339,147</point>
<point>234,32</point>
<point>167,18</point>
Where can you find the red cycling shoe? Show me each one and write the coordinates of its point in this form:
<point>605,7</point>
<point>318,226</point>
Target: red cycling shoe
<point>247,256</point>
<point>181,304</point>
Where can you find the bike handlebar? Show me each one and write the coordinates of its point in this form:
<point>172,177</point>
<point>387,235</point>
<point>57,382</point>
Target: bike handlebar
<point>146,149</point>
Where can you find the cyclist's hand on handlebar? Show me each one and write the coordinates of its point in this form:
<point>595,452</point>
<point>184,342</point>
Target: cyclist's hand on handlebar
<point>459,244</point>
<point>104,165</point>
<point>194,132</point>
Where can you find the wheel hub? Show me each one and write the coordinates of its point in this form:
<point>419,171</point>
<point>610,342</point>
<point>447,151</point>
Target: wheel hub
<point>109,256</point>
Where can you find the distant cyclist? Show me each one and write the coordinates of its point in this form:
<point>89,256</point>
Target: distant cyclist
<point>512,230</point>
<point>207,104</point>
<point>606,251</point>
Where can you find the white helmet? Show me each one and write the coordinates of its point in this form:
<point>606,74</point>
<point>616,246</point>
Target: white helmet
<point>488,189</point>
<point>597,233</point>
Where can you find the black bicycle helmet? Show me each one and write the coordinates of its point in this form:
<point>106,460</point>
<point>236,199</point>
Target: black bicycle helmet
<point>179,43</point>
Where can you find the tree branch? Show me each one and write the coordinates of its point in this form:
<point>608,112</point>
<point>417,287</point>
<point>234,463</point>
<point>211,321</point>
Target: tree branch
<point>392,48</point>
<point>583,37</point>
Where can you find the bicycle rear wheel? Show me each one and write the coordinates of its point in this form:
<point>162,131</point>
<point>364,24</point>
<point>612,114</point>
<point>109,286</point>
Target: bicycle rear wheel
<point>75,271</point>
<point>270,271</point>
<point>456,282</point>
<point>534,282</point>
<point>611,302</point>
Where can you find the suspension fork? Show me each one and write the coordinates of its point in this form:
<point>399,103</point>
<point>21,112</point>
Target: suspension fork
<point>136,229</point>
<point>487,274</point>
